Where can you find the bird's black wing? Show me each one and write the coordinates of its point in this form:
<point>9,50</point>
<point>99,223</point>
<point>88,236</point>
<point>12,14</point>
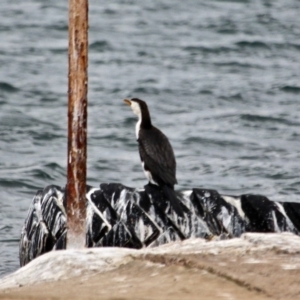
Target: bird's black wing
<point>157,154</point>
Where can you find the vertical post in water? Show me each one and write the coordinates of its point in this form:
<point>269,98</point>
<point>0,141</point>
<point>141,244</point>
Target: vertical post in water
<point>77,122</point>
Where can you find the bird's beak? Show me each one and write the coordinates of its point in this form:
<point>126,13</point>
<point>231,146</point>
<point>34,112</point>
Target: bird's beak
<point>127,101</point>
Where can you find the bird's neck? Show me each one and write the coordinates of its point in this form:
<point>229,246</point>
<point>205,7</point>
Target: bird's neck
<point>143,122</point>
<point>137,128</point>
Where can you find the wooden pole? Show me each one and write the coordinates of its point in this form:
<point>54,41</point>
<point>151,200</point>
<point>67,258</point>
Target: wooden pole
<point>77,122</point>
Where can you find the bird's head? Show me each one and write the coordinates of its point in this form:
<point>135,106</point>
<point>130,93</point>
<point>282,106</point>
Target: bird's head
<point>139,107</point>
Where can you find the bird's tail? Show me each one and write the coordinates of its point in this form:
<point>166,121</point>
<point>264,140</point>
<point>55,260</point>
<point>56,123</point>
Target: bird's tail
<point>175,203</point>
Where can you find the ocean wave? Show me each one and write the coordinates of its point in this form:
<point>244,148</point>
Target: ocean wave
<point>7,87</point>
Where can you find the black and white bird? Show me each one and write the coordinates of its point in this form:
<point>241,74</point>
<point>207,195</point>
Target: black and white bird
<point>156,153</point>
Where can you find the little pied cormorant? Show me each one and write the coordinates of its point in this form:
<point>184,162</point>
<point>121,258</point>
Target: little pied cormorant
<point>156,153</point>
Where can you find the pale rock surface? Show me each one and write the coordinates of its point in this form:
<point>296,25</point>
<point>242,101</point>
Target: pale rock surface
<point>65,264</point>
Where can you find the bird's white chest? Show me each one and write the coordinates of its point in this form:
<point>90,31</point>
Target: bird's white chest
<point>137,128</point>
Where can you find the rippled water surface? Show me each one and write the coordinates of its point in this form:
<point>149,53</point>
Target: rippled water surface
<point>221,79</point>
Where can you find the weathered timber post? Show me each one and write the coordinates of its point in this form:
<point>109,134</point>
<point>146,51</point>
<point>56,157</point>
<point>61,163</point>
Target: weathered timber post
<point>77,122</point>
